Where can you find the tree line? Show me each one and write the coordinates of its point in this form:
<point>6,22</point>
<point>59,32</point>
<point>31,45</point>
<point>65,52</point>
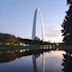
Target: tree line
<point>10,39</point>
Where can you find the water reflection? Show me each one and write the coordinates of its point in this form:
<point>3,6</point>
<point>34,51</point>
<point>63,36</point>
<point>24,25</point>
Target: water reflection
<point>67,61</point>
<point>10,55</point>
<point>35,64</point>
<point>43,63</point>
<point>37,60</point>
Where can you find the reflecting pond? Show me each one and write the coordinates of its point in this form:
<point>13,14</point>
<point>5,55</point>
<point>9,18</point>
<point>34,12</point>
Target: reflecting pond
<point>36,61</point>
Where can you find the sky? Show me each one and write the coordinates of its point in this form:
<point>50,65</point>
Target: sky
<point>16,17</point>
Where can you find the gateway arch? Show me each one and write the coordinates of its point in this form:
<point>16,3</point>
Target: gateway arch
<point>34,24</point>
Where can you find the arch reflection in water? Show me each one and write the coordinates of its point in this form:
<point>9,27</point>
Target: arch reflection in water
<point>34,56</point>
<point>34,63</point>
<point>43,63</point>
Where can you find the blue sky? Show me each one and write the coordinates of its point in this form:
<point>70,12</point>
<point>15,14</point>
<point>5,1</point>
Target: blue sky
<point>16,17</point>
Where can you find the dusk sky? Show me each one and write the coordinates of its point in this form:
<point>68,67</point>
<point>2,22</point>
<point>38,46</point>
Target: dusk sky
<point>16,17</point>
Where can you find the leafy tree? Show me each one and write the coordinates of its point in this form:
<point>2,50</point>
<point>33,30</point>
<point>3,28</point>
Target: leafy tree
<point>67,27</point>
<point>8,38</point>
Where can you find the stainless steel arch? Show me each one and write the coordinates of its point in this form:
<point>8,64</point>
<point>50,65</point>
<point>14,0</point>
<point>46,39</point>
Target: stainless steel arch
<point>34,24</point>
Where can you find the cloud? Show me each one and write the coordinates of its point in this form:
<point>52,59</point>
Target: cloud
<point>53,36</point>
<point>52,33</point>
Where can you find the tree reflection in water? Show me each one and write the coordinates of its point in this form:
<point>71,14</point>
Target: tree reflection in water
<point>67,61</point>
<point>10,55</point>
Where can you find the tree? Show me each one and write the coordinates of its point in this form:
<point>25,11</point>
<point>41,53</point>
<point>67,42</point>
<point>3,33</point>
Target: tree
<point>8,38</point>
<point>67,27</point>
